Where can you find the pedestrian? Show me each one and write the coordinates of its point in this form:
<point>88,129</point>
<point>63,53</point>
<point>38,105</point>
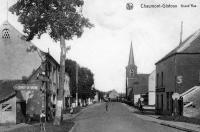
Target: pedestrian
<point>107,106</point>
<point>42,121</point>
<point>140,105</point>
<point>71,110</point>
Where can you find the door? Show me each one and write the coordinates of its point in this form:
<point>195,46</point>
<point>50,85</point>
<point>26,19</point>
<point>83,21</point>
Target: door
<point>161,103</point>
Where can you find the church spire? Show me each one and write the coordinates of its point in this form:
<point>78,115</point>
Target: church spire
<point>131,57</point>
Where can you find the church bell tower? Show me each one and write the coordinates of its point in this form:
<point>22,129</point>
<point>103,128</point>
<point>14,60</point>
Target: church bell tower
<point>131,74</point>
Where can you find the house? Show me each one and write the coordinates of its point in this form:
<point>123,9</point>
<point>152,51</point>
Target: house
<point>152,88</point>
<point>8,106</point>
<point>113,95</point>
<point>136,84</point>
<point>177,72</point>
<point>31,76</point>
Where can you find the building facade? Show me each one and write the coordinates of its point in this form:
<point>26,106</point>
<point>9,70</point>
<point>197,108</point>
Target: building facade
<point>177,72</point>
<point>31,75</point>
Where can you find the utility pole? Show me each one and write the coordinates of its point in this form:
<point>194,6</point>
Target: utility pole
<point>76,84</point>
<point>181,33</point>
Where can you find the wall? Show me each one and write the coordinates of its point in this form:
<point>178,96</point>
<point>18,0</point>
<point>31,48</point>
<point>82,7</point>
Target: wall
<point>168,68</point>
<point>185,65</point>
<point>152,88</point>
<point>188,66</point>
<point>8,116</point>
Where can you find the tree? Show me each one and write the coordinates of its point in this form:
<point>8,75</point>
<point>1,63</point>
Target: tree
<point>70,68</point>
<point>61,19</point>
<point>85,80</point>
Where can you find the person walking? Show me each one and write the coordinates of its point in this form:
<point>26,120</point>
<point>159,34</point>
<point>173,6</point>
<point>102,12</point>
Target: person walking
<point>71,110</point>
<point>42,121</point>
<point>140,105</point>
<point>107,106</point>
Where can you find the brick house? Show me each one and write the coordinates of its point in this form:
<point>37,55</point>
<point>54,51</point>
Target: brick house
<point>177,72</point>
<point>136,84</point>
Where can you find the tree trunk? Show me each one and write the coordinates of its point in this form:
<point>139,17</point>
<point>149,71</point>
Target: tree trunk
<point>59,104</point>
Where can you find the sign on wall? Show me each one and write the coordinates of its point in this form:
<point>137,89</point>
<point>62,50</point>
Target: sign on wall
<point>175,96</point>
<point>179,79</point>
<point>31,94</point>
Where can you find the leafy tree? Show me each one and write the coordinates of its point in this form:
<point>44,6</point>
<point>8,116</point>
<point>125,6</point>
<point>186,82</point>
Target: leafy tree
<point>61,19</point>
<point>85,80</point>
<point>70,68</point>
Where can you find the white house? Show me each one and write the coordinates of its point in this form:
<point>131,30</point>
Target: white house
<point>152,88</point>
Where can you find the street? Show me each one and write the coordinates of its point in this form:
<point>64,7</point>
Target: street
<point>117,119</point>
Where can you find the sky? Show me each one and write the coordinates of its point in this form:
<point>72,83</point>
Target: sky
<point>105,48</point>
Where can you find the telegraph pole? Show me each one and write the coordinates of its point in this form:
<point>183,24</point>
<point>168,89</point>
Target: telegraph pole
<point>76,84</point>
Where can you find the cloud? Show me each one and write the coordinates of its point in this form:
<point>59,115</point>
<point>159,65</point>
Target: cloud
<point>109,14</point>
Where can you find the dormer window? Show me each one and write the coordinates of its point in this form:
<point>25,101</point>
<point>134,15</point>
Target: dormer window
<point>5,34</point>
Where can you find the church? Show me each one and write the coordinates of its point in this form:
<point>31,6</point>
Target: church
<point>136,84</point>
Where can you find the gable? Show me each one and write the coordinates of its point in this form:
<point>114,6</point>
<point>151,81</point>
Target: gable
<point>190,45</point>
<point>15,61</point>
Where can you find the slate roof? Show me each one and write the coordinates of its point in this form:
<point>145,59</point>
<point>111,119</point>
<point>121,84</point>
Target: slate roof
<point>189,45</point>
<point>142,84</point>
<point>7,90</point>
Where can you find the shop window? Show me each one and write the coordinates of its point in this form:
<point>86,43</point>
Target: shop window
<point>5,34</point>
<point>6,107</point>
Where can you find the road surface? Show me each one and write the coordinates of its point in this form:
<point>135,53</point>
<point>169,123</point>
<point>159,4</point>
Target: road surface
<point>117,119</point>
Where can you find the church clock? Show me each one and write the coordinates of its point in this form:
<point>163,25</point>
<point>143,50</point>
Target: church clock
<point>132,72</point>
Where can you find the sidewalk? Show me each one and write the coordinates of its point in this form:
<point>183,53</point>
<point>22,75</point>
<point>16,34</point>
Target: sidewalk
<point>174,124</point>
<point>72,116</point>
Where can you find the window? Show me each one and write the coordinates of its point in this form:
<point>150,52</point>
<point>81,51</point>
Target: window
<point>157,78</point>
<point>6,107</point>
<point>162,79</point>
<point>132,72</point>
<point>157,101</point>
<point>5,34</point>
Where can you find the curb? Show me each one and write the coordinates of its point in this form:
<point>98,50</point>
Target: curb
<point>169,125</point>
<point>72,129</point>
<point>177,127</point>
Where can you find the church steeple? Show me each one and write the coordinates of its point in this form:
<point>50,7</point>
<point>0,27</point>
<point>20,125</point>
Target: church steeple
<point>131,74</point>
<point>131,57</point>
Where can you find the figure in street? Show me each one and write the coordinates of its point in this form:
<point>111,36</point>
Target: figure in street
<point>71,110</point>
<point>42,121</point>
<point>106,106</point>
<point>140,104</point>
